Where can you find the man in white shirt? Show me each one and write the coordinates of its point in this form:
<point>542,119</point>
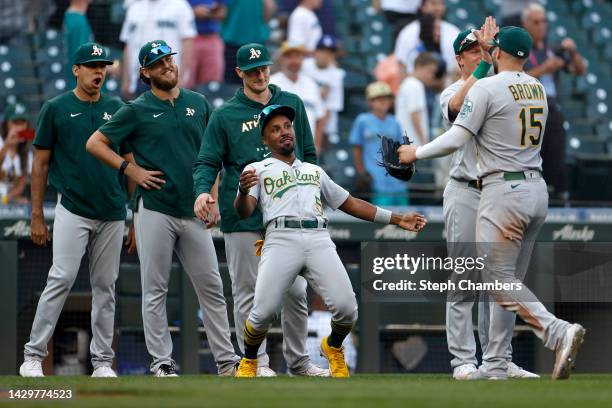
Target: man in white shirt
<point>303,26</point>
<point>291,79</point>
<point>324,71</point>
<point>411,102</point>
<point>398,13</point>
<point>170,20</point>
<point>408,39</point>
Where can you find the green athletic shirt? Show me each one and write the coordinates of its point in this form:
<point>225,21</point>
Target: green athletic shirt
<point>88,188</point>
<point>166,138</point>
<point>233,140</point>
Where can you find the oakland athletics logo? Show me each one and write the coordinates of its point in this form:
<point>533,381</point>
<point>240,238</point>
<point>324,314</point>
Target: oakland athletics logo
<point>190,112</point>
<point>107,116</point>
<point>254,53</point>
<point>96,50</point>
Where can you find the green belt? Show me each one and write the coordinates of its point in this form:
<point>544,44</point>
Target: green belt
<point>308,224</point>
<point>514,175</point>
<point>517,175</point>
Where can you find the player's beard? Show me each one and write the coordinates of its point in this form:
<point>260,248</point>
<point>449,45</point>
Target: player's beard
<point>165,84</point>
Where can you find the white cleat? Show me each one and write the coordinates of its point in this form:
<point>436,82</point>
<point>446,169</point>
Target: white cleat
<point>310,370</point>
<point>515,371</point>
<point>565,358</point>
<point>31,368</point>
<point>463,371</point>
<point>265,372</point>
<point>104,372</point>
<point>479,375</point>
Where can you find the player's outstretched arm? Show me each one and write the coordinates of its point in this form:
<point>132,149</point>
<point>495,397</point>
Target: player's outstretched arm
<point>443,145</point>
<point>98,145</point>
<point>366,211</point>
<point>244,203</point>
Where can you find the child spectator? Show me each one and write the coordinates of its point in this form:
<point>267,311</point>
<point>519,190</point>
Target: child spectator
<point>411,101</point>
<point>303,26</point>
<point>386,190</point>
<point>324,71</point>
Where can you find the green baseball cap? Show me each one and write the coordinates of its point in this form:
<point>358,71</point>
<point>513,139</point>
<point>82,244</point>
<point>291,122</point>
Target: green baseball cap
<point>15,111</point>
<point>153,51</point>
<point>91,52</point>
<point>515,41</point>
<point>464,40</point>
<point>271,111</point>
<point>252,56</point>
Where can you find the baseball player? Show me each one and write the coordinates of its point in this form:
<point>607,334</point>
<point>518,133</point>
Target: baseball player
<point>233,140</point>
<point>90,212</point>
<point>292,196</point>
<point>164,127</point>
<point>506,113</point>
<point>460,206</point>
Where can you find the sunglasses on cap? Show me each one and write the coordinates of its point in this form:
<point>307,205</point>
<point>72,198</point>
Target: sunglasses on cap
<point>155,52</point>
<point>469,39</point>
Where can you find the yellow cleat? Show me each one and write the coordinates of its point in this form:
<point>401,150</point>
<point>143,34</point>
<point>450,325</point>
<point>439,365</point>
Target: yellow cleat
<point>247,368</point>
<point>335,356</point>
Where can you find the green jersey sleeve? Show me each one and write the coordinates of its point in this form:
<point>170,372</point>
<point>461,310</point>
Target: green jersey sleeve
<point>46,134</point>
<point>210,157</point>
<point>123,123</point>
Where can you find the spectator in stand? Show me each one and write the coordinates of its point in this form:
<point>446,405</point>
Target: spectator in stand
<point>246,22</point>
<point>366,145</point>
<point>207,63</point>
<point>291,79</point>
<point>438,38</point>
<point>146,20</point>
<point>77,31</point>
<point>12,19</point>
<point>411,103</point>
<point>399,13</point>
<point>545,62</point>
<point>326,14</point>
<point>15,156</point>
<point>303,26</point>
<point>330,79</point>
<point>511,11</point>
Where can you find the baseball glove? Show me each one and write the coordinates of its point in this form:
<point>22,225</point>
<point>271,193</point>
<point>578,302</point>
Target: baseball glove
<point>390,159</point>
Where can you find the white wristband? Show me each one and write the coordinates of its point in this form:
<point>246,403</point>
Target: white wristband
<point>382,216</point>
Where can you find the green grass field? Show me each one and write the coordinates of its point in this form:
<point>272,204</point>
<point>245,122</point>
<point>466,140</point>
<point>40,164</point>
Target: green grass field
<point>377,391</point>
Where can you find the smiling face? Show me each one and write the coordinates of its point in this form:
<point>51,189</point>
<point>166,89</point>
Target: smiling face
<point>469,59</point>
<point>90,76</point>
<point>279,135</point>
<point>163,73</point>
<point>255,80</point>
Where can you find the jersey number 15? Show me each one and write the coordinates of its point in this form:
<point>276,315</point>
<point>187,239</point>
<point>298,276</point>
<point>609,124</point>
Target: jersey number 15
<point>534,123</point>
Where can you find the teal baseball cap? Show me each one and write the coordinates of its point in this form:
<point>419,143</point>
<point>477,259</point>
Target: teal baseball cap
<point>251,56</point>
<point>91,52</point>
<point>153,51</point>
<point>15,111</point>
<point>274,110</point>
<point>515,41</point>
<point>464,39</point>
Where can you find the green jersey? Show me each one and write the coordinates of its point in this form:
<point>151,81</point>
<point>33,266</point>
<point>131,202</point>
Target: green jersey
<point>233,140</point>
<point>163,137</point>
<point>88,188</point>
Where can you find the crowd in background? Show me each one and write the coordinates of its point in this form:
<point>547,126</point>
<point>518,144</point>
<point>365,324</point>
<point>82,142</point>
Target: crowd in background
<point>207,33</point>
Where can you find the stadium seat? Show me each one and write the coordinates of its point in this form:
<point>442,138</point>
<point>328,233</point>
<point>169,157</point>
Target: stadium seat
<point>586,144</point>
